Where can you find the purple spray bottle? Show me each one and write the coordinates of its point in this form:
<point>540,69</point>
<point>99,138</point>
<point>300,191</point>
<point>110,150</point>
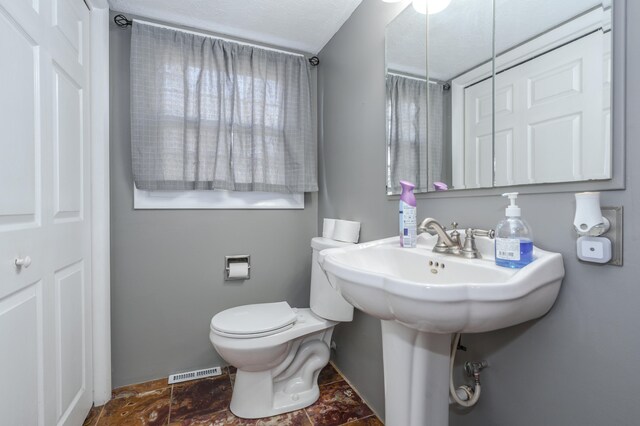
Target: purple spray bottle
<point>408,233</point>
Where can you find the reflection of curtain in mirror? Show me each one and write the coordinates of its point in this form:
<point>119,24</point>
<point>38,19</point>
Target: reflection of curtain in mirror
<point>409,158</point>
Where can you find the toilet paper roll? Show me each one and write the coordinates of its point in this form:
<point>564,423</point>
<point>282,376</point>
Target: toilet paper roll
<point>238,270</point>
<point>328,226</point>
<point>346,231</point>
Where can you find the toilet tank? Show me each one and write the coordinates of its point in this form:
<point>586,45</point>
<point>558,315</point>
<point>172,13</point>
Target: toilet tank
<point>325,301</point>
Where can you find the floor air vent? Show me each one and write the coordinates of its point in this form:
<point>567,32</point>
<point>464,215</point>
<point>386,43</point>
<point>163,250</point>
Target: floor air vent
<point>192,375</point>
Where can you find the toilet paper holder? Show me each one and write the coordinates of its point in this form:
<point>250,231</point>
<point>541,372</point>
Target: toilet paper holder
<point>238,258</point>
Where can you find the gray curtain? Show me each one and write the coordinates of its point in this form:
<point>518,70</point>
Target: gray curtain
<point>211,114</point>
<point>408,130</point>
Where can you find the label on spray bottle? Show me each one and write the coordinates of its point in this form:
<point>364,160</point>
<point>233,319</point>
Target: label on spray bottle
<point>407,225</point>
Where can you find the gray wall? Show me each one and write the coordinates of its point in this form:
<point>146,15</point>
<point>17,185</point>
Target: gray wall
<point>167,265</point>
<point>578,365</point>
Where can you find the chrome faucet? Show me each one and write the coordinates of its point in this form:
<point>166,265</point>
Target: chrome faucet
<point>446,243</point>
<point>451,244</point>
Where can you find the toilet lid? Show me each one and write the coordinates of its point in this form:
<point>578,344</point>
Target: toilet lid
<point>261,318</point>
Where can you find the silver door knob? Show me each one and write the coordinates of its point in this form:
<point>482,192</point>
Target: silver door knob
<point>23,262</point>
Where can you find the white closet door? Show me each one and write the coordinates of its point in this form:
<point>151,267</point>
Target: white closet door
<point>557,113</point>
<point>554,106</point>
<point>45,311</point>
<point>478,131</point>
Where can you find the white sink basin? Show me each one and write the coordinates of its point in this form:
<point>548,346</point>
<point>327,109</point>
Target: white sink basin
<point>458,295</point>
<point>422,298</point>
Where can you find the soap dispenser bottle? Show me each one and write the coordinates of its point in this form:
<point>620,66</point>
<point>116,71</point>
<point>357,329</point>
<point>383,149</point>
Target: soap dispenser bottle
<point>408,231</point>
<point>514,240</point>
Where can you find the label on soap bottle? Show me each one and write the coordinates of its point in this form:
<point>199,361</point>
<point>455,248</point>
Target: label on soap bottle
<point>508,248</point>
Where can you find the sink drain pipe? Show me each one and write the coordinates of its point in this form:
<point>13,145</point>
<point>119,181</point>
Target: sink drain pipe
<point>464,395</point>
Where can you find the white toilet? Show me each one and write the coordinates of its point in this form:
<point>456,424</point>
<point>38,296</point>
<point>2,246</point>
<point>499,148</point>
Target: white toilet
<point>278,350</point>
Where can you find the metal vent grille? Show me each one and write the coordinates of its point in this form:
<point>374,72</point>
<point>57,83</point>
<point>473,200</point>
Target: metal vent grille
<point>192,375</point>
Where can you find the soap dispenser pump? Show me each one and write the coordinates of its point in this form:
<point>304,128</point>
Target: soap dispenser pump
<point>514,239</point>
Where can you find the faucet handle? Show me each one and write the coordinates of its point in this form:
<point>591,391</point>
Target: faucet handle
<point>469,249</point>
<point>483,233</point>
<point>454,225</point>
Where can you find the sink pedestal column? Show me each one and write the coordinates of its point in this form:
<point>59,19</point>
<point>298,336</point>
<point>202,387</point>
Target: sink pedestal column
<point>416,376</point>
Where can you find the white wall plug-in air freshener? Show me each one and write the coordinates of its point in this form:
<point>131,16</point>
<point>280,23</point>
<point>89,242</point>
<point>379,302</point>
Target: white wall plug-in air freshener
<point>588,220</point>
<point>590,225</point>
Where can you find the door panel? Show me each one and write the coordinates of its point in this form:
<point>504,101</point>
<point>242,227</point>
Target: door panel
<point>543,143</point>
<point>504,157</point>
<point>478,147</point>
<point>20,124</point>
<point>45,304</point>
<point>69,217</point>
<point>68,28</point>
<point>556,83</point>
<point>70,336</point>
<point>21,357</point>
<point>67,147</point>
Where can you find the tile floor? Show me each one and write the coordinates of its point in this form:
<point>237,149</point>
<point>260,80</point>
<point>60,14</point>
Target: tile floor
<point>206,402</point>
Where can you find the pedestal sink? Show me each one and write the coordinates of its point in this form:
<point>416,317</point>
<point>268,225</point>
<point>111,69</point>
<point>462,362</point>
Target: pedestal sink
<point>422,298</point>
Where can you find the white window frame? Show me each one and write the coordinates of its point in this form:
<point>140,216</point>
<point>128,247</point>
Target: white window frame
<point>215,199</point>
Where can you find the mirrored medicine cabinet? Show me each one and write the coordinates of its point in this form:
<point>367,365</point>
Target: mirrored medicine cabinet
<point>498,93</point>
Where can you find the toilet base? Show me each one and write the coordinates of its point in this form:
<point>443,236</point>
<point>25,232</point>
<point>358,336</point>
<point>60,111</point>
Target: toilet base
<point>259,401</point>
<point>288,387</point>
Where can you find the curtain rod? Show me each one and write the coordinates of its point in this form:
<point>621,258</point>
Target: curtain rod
<point>123,22</point>
<point>444,84</point>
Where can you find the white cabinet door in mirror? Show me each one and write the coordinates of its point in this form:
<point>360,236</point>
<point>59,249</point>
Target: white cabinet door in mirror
<point>550,119</point>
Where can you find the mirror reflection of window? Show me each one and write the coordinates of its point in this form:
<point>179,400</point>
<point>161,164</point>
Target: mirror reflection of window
<point>406,101</point>
<point>410,126</point>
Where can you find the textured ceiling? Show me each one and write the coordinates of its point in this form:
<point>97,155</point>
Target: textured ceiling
<point>301,25</point>
<point>406,43</point>
<point>460,37</point>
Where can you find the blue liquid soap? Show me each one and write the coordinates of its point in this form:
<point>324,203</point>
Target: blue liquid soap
<point>514,240</point>
<point>526,256</point>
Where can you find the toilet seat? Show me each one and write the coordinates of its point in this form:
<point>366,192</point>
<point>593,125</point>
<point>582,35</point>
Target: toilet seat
<point>259,320</point>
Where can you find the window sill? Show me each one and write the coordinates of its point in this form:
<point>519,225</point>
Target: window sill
<point>216,199</point>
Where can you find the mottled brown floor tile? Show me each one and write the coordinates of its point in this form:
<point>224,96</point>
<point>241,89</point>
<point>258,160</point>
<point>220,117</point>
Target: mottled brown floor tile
<point>133,390</point>
<point>369,421</point>
<point>200,398</point>
<point>338,404</point>
<point>149,408</point>
<point>226,418</point>
<point>295,418</point>
<point>329,375</point>
<point>93,416</point>
<point>221,418</point>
